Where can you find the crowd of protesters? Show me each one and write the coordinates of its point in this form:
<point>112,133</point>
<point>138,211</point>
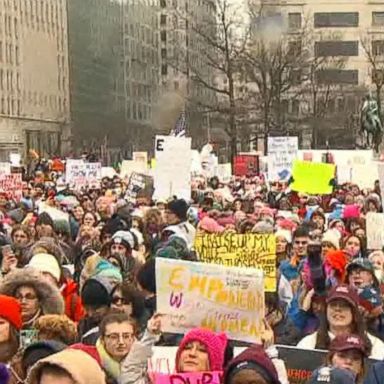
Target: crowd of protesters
<point>78,295</point>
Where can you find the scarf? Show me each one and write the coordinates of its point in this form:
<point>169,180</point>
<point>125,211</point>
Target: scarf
<point>111,366</point>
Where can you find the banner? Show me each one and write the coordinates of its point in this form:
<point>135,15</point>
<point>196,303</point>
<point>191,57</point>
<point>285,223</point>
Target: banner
<point>312,178</point>
<point>365,175</point>
<point>108,172</point>
<point>375,233</point>
<point>80,174</point>
<point>139,186</point>
<point>12,184</point>
<point>246,165</point>
<point>172,175</point>
<point>281,153</point>
<point>235,250</point>
<point>193,295</point>
<point>189,378</point>
<point>140,157</point>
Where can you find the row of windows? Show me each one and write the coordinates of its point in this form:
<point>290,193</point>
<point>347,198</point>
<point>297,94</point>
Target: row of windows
<point>343,48</point>
<point>138,111</point>
<point>334,19</point>
<point>9,53</point>
<point>10,107</point>
<point>9,81</point>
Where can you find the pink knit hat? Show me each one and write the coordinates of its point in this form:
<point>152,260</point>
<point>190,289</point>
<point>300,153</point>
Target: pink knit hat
<point>215,344</point>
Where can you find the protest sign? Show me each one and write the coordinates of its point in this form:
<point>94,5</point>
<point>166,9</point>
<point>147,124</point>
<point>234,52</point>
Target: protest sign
<point>312,178</point>
<point>172,175</point>
<point>130,166</point>
<point>375,233</point>
<point>223,299</point>
<point>107,172</point>
<point>5,168</point>
<point>365,175</point>
<point>139,186</point>
<point>281,153</point>
<point>189,378</point>
<point>80,174</point>
<point>141,157</point>
<point>224,172</point>
<point>235,250</point>
<point>12,184</point>
<point>246,165</point>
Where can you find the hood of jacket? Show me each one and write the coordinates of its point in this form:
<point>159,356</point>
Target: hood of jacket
<point>50,298</point>
<point>73,361</point>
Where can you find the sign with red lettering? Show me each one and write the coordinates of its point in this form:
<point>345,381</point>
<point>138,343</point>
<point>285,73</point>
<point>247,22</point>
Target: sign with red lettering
<point>11,184</point>
<point>246,165</point>
<point>189,378</point>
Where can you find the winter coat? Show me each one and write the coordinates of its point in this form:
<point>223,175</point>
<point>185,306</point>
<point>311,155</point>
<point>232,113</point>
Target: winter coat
<point>134,366</point>
<point>375,374</point>
<point>51,301</point>
<point>73,307</point>
<point>377,351</point>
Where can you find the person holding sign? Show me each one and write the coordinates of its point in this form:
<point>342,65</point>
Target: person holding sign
<point>201,350</point>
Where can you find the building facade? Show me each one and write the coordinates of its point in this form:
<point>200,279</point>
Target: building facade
<point>34,77</point>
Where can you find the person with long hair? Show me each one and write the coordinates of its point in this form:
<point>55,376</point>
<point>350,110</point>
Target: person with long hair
<point>342,316</point>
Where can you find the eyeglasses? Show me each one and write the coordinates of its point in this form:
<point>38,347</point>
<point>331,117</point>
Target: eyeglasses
<point>116,337</point>
<point>27,297</point>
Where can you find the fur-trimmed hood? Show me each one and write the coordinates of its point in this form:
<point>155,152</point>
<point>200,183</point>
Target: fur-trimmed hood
<point>46,245</point>
<point>51,300</point>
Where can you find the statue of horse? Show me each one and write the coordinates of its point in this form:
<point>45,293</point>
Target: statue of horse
<point>370,123</point>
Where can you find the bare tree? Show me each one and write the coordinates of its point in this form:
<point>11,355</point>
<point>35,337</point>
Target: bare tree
<point>373,46</point>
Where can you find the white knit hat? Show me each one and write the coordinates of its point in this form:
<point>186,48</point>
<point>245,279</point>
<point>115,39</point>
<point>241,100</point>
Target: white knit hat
<point>331,237</point>
<point>44,262</point>
<point>287,235</point>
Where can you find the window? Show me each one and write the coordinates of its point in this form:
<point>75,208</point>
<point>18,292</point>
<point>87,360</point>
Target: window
<point>378,19</point>
<point>164,69</point>
<point>163,3</point>
<point>378,76</point>
<point>336,48</point>
<point>163,53</point>
<point>163,36</point>
<point>295,107</point>
<point>163,19</point>
<point>294,48</point>
<point>378,47</point>
<point>338,76</point>
<point>336,19</point>
<point>294,21</point>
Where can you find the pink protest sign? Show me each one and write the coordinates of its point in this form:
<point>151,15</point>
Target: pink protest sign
<point>189,378</point>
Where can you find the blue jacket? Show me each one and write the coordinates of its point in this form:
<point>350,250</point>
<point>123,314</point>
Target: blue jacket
<point>376,374</point>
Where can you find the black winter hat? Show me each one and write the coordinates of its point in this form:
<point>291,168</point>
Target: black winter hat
<point>146,276</point>
<point>44,219</point>
<point>179,208</point>
<point>40,350</point>
<point>96,293</point>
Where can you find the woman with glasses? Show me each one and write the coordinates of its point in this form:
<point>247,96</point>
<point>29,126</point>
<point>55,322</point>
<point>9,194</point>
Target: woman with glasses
<point>123,357</point>
<point>36,296</point>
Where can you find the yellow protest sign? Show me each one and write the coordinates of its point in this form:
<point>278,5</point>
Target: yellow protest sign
<point>312,178</point>
<point>199,295</point>
<point>247,251</point>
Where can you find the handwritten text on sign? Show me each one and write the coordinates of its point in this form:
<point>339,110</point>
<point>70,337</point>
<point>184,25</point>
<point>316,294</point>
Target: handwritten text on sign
<point>234,250</point>
<point>375,234</point>
<point>189,378</point>
<point>222,299</point>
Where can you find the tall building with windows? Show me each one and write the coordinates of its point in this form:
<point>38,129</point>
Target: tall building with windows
<point>141,69</point>
<point>34,76</point>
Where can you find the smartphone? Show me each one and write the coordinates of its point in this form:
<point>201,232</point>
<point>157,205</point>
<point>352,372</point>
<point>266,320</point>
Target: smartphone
<point>27,337</point>
<point>6,250</point>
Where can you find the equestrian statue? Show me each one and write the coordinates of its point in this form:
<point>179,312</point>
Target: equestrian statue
<point>371,127</point>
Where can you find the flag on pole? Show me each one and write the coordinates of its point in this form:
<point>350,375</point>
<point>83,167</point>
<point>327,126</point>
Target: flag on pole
<point>181,125</point>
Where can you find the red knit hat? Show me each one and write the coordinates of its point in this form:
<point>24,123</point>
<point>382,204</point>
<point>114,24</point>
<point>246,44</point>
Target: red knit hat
<point>10,310</point>
<point>215,344</point>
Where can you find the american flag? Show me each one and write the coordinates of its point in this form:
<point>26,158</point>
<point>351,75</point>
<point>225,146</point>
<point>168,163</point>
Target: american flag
<point>181,125</point>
